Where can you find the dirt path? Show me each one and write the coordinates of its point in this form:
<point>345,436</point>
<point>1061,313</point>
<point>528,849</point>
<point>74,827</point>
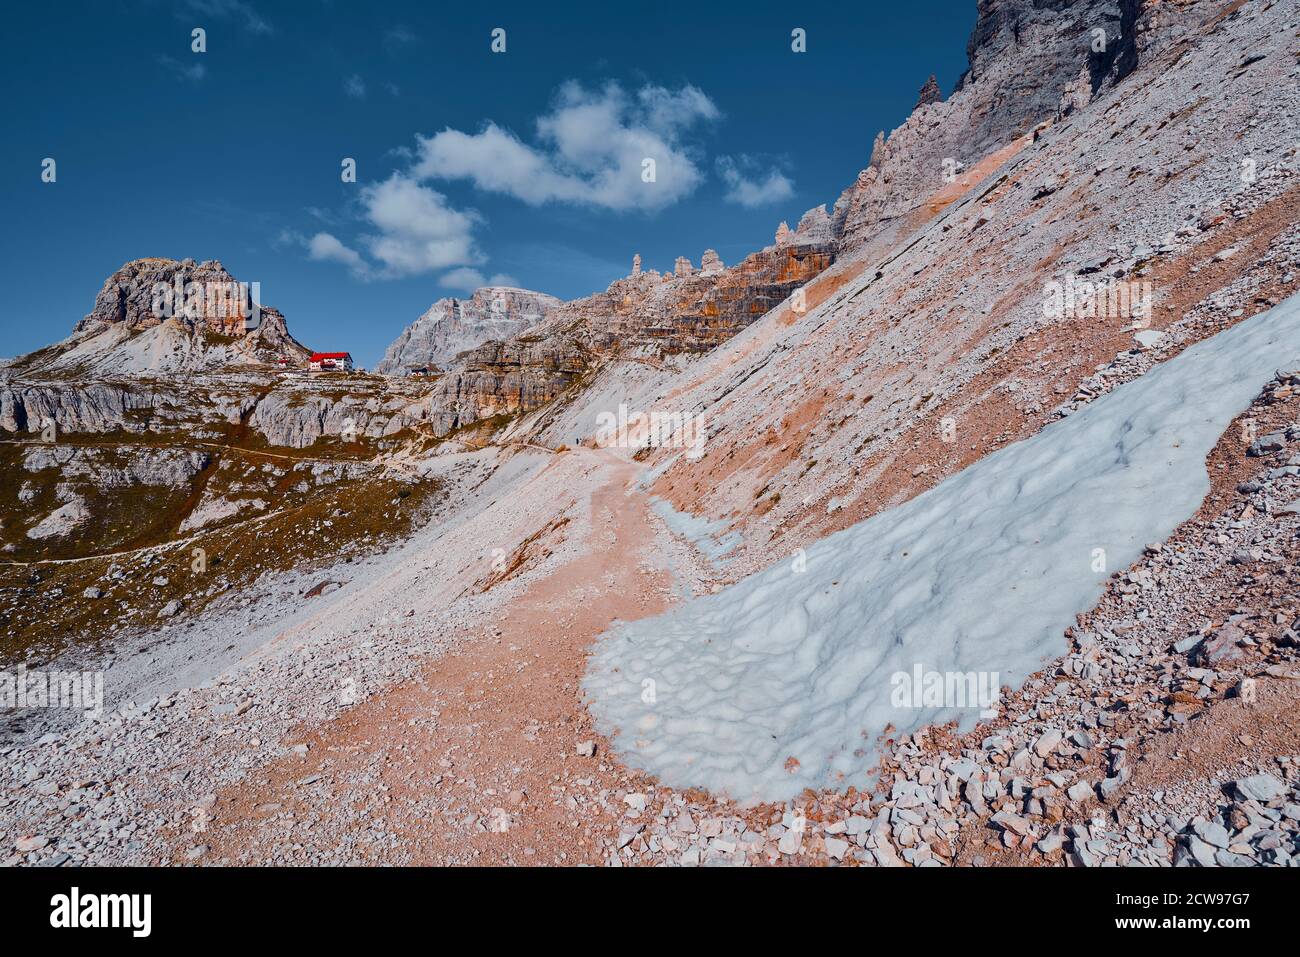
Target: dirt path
<point>476,760</point>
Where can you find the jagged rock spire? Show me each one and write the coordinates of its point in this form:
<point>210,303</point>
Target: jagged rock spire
<point>930,93</point>
<point>877,150</point>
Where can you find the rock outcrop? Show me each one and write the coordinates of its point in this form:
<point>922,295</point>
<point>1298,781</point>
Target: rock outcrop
<point>167,467</point>
<point>167,315</point>
<point>451,326</point>
<point>79,407</point>
<point>694,311</point>
<point>930,93</point>
<point>501,378</point>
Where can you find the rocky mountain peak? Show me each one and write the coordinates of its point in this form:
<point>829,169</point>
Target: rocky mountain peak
<point>453,325</point>
<point>877,151</point>
<point>157,314</point>
<point>146,292</point>
<point>1030,62</point>
<point>711,263</point>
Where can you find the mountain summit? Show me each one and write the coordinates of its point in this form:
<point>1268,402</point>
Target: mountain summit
<point>451,326</point>
<point>167,315</point>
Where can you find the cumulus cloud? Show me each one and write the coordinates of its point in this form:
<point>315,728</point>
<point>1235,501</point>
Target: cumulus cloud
<point>328,248</point>
<point>589,149</point>
<point>412,231</point>
<point>465,279</point>
<point>592,148</point>
<point>355,87</point>
<point>418,231</point>
<point>750,186</point>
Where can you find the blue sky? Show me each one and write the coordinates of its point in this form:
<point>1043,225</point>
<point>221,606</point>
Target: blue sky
<point>472,166</point>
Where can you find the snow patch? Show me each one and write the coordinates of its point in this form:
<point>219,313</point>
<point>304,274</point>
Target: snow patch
<point>711,538</point>
<point>783,680</point>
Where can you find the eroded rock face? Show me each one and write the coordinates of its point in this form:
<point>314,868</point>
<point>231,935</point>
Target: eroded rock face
<point>451,326</point>
<point>285,411</point>
<point>709,308</point>
<point>815,228</point>
<point>72,407</point>
<point>685,311</point>
<point>167,467</point>
<point>694,311</point>
<point>501,378</point>
<point>145,292</point>
<point>290,418</point>
<point>198,296</point>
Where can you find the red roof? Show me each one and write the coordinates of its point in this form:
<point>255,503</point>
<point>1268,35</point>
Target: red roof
<point>317,356</point>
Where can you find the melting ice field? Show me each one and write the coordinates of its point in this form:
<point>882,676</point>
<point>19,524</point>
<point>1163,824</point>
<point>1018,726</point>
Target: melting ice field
<point>982,573</point>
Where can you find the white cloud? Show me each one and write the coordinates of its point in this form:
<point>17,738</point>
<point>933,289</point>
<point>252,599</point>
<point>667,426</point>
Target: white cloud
<point>749,186</point>
<point>465,279</point>
<point>590,149</point>
<point>328,248</point>
<point>413,231</point>
<point>355,87</point>
<point>418,231</point>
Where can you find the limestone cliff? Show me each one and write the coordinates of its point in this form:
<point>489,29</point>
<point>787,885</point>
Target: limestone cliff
<point>451,326</point>
<point>501,378</point>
